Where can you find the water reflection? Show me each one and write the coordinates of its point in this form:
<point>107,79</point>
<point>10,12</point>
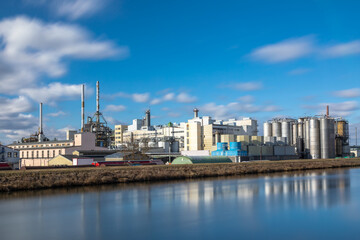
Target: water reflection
<point>93,213</point>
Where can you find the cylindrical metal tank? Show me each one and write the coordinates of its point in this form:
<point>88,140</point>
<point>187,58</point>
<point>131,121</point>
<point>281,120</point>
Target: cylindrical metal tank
<point>295,134</point>
<point>276,129</point>
<point>175,146</point>
<point>300,128</point>
<point>315,138</point>
<point>327,138</point>
<point>267,129</point>
<point>285,131</point>
<point>338,147</point>
<point>307,135</point>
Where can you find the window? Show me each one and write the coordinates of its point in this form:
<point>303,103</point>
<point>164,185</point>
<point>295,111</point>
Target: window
<point>37,154</point>
<point>32,154</point>
<point>9,154</point>
<point>42,154</point>
<point>15,154</point>
<point>53,153</point>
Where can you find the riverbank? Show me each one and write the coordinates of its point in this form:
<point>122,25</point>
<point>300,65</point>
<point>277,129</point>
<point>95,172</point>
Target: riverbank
<point>56,178</point>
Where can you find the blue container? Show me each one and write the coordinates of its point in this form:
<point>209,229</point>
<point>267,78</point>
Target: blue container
<point>235,145</point>
<point>222,146</point>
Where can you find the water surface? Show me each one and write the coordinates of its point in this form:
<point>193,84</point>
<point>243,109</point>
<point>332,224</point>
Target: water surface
<point>299,205</point>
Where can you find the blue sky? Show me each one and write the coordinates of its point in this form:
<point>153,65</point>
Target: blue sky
<point>260,59</point>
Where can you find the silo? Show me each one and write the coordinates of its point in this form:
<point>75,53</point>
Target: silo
<point>327,138</point>
<point>315,138</point>
<point>276,129</point>
<point>300,128</point>
<point>285,131</point>
<point>307,134</point>
<point>267,129</point>
<point>295,134</point>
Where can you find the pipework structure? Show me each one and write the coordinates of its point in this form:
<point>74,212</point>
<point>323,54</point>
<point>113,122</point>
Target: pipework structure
<point>97,123</point>
<point>39,136</point>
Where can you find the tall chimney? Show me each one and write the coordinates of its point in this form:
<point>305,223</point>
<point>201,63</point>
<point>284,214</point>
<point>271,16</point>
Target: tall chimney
<point>97,101</point>
<point>147,118</point>
<point>40,137</point>
<point>82,107</point>
<point>196,113</point>
<point>327,111</point>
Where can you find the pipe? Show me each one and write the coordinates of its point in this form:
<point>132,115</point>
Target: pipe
<point>97,101</point>
<point>82,107</point>
<point>40,124</point>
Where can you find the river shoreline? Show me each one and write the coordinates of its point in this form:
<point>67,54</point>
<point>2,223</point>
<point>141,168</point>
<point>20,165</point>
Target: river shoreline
<point>59,178</point>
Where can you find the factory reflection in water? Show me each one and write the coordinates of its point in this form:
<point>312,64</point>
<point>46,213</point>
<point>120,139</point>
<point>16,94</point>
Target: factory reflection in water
<point>96,209</point>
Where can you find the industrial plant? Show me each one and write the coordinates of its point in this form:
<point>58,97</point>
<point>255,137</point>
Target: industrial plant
<point>201,137</point>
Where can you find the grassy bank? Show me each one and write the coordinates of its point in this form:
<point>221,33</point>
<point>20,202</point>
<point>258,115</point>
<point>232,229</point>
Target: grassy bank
<point>54,178</point>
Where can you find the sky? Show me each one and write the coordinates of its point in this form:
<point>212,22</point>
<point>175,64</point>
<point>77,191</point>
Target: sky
<point>230,59</point>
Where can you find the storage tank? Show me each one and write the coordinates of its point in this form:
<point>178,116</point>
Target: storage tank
<point>307,135</point>
<point>175,146</point>
<point>300,128</point>
<point>315,138</point>
<point>295,134</point>
<point>276,129</point>
<point>327,138</point>
<point>267,129</point>
<point>285,131</point>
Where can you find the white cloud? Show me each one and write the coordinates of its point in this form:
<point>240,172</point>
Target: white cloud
<point>286,50</point>
<point>169,97</point>
<point>246,99</point>
<point>348,93</point>
<point>156,101</point>
<point>31,48</point>
<point>248,86</point>
<point>344,49</point>
<point>141,97</point>
<point>115,108</point>
<point>54,92</point>
<point>165,98</point>
<point>56,114</point>
<point>299,71</point>
<point>185,98</point>
<point>72,9</point>
<point>235,109</point>
<point>75,9</point>
<point>10,107</point>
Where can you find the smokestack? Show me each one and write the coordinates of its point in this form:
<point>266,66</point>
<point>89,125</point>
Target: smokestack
<point>82,107</point>
<point>147,118</point>
<point>327,111</point>
<point>97,101</point>
<point>196,113</point>
<point>40,137</point>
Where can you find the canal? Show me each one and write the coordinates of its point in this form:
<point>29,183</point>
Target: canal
<point>298,205</point>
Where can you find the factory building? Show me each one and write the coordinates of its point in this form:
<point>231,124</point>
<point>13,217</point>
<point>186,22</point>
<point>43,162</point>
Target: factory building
<point>39,153</point>
<point>314,137</point>
<point>203,133</point>
<point>10,156</point>
<point>142,135</point>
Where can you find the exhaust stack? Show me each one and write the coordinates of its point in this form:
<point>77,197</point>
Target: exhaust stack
<point>196,113</point>
<point>82,107</point>
<point>327,111</point>
<point>97,102</point>
<point>40,137</point>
